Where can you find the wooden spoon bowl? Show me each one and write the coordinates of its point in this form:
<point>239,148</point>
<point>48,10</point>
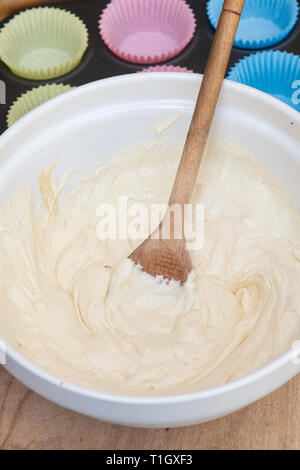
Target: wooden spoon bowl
<point>169,257</point>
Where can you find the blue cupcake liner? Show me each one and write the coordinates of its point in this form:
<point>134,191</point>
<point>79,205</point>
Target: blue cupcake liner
<point>274,72</point>
<point>263,22</point>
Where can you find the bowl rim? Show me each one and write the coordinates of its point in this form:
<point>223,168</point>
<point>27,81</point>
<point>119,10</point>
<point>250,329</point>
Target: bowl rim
<point>124,399</point>
<point>50,72</point>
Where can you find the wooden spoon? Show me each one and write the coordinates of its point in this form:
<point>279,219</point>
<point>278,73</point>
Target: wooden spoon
<point>169,258</point>
<point>8,7</point>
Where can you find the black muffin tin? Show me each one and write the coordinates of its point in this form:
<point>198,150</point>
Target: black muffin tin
<point>99,62</point>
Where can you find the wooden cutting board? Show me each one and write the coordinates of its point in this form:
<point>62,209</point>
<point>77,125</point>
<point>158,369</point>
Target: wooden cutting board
<point>28,421</point>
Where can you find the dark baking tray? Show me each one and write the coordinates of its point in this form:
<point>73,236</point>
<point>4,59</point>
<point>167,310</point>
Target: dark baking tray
<point>99,62</point>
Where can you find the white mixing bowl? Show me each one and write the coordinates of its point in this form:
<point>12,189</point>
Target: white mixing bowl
<point>78,128</point>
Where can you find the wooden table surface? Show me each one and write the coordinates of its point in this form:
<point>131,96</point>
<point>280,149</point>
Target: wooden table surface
<point>28,421</point>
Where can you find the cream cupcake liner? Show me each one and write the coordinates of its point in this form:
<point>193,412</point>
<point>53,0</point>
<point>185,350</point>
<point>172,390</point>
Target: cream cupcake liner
<point>43,43</point>
<point>33,98</point>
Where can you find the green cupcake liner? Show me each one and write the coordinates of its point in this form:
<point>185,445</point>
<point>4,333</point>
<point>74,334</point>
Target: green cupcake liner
<point>43,43</point>
<point>33,98</point>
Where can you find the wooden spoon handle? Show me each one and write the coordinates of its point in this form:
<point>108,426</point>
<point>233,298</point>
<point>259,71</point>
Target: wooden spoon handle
<point>206,103</point>
<point>8,7</point>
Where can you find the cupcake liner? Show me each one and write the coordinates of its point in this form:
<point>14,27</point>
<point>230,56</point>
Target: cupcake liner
<point>147,31</point>
<point>43,43</point>
<point>33,98</point>
<point>263,22</point>
<point>273,72</point>
<point>166,68</point>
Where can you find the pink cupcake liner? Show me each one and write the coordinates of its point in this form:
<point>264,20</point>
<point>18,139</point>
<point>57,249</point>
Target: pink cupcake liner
<point>147,31</point>
<point>166,68</point>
